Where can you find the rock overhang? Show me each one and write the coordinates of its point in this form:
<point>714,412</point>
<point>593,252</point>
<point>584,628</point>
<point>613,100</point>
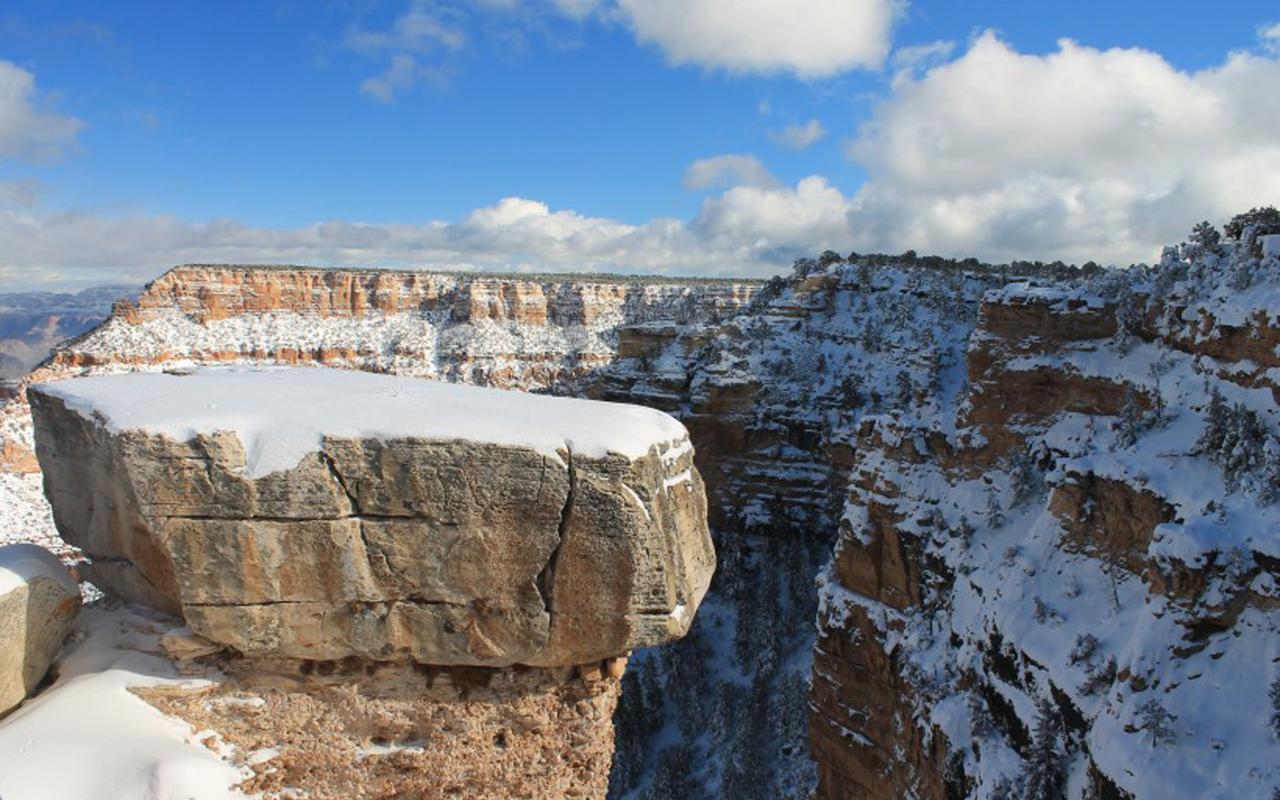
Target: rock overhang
<point>322,514</point>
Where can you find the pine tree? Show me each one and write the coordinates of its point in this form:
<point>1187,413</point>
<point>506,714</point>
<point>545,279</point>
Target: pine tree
<point>981,724</point>
<point>1254,222</point>
<point>905,390</point>
<point>1002,789</point>
<point>674,775</point>
<point>1275,707</point>
<point>1126,318</point>
<point>1042,773</point>
<point>850,397</point>
<point>1024,480</point>
<point>1156,720</point>
<point>1205,235</point>
<point>803,267</point>
<point>630,736</point>
<point>1271,472</point>
<point>1215,425</point>
<point>995,514</point>
<point>829,258</point>
<point>1129,423</point>
<point>1101,678</point>
<point>1083,651</point>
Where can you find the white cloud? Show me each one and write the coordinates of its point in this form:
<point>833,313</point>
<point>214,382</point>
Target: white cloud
<point>403,73</point>
<point>775,222</point>
<point>422,31</point>
<point>909,59</point>
<point>576,9</point>
<point>798,137</point>
<point>20,194</point>
<point>811,39</point>
<point>25,130</point>
<point>1078,154</point>
<point>1270,36</point>
<point>749,230</point>
<point>733,169</point>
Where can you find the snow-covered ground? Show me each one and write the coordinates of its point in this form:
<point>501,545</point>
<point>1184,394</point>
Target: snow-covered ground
<point>87,736</point>
<point>25,515</point>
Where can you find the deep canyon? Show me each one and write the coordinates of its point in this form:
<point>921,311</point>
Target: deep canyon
<point>981,531</point>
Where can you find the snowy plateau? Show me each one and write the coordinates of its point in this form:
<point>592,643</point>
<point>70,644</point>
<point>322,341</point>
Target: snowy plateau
<point>981,531</point>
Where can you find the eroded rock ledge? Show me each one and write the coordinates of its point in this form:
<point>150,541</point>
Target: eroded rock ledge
<point>325,514</point>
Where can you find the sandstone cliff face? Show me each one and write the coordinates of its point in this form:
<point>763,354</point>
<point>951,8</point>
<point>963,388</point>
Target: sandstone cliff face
<point>538,333</point>
<point>503,331</point>
<point>446,540</point>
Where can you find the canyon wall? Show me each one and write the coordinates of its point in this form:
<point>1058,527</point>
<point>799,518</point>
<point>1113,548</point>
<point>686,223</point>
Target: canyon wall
<point>1069,588</point>
<point>1032,558</point>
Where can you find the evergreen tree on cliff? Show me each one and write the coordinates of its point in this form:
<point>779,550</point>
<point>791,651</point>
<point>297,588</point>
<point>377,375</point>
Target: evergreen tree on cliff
<point>1042,770</point>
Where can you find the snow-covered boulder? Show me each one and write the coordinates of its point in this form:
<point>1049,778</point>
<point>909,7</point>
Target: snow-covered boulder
<point>38,604</point>
<point>321,514</point>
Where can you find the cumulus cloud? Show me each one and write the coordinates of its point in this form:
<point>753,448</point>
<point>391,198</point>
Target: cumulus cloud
<point>775,223</point>
<point>748,230</point>
<point>26,131</point>
<point>1077,154</point>
<point>798,137</point>
<point>733,169</point>
<point>814,39</point>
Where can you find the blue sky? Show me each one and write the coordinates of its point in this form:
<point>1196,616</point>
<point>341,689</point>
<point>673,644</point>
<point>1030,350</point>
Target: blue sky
<point>140,134</point>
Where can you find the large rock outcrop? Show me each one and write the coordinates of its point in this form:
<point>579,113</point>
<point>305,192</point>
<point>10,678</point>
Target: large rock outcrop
<point>321,514</point>
<point>38,602</point>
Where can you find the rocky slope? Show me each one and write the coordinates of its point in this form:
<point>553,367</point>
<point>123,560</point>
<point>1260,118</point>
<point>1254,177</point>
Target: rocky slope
<point>1047,577</point>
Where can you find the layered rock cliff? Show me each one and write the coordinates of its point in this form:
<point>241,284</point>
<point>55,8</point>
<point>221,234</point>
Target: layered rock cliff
<point>516,332</point>
<point>1043,562</point>
<point>328,514</point>
<point>1068,587</point>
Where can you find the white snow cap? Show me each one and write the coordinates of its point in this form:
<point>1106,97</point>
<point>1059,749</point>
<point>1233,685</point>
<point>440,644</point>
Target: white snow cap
<point>282,414</point>
<point>21,563</point>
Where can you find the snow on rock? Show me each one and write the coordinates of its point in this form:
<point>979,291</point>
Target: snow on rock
<point>1092,579</point>
<point>38,602</point>
<point>322,514</point>
<point>88,736</point>
<point>22,563</point>
<point>25,514</point>
<point>281,415</point>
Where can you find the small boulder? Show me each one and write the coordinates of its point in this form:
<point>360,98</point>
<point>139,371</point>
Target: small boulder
<point>39,601</point>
